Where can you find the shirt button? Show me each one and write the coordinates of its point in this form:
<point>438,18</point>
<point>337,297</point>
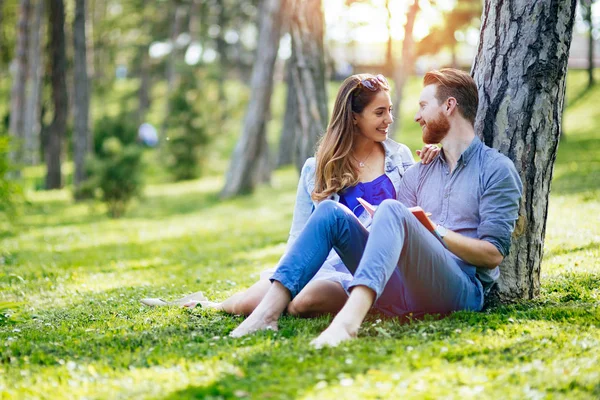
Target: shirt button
<point>446,195</point>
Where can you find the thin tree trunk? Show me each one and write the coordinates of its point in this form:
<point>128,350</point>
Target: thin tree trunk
<point>590,43</point>
<point>389,57</point>
<point>98,14</point>
<point>172,61</point>
<point>289,129</point>
<point>223,59</point>
<point>520,115</point>
<point>2,40</point>
<point>144,70</point>
<point>308,73</point>
<point>81,133</point>
<point>56,18</point>
<point>248,156</point>
<point>405,67</point>
<point>17,96</point>
<point>32,123</point>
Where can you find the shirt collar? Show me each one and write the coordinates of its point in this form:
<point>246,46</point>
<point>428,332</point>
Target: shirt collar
<point>467,154</point>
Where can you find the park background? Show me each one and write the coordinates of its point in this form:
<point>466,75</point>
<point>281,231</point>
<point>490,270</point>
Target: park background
<point>75,261</point>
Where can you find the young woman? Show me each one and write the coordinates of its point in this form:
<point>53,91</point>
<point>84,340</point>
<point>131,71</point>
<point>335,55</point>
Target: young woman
<point>355,158</point>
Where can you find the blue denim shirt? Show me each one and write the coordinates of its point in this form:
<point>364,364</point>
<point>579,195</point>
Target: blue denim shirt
<point>398,159</point>
<point>479,199</point>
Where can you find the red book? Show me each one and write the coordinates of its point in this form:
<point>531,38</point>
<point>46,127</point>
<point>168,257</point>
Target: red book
<point>417,211</point>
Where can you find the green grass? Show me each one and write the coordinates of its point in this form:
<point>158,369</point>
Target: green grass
<point>71,325</point>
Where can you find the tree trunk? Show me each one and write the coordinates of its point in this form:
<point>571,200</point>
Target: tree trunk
<point>17,96</point>
<point>308,73</point>
<point>2,39</point>
<point>32,123</point>
<point>389,57</point>
<point>56,23</point>
<point>81,133</point>
<point>223,59</point>
<point>405,67</point>
<point>245,168</point>
<point>520,115</point>
<point>144,69</point>
<point>588,17</point>
<point>172,62</point>
<point>288,130</point>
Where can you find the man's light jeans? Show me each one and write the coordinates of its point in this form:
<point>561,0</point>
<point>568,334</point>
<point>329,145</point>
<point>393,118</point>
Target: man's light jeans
<point>400,260</point>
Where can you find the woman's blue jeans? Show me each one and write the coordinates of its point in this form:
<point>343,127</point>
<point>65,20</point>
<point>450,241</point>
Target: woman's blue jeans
<point>399,259</point>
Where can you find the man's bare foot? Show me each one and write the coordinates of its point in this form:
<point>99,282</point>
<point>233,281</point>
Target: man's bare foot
<point>254,323</point>
<point>333,336</point>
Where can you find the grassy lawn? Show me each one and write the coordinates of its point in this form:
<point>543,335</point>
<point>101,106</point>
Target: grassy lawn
<point>72,326</point>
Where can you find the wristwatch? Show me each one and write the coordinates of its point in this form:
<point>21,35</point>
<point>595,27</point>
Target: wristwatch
<point>442,231</point>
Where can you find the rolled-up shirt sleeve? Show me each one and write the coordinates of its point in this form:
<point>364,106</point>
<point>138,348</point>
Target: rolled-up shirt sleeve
<point>499,204</point>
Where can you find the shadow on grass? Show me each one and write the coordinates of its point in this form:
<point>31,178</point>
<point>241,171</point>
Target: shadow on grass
<point>562,251</point>
<point>285,373</point>
<point>108,330</point>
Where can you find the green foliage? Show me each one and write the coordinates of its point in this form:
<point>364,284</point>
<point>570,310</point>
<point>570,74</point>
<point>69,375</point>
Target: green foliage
<point>11,193</point>
<point>123,127</point>
<point>116,173</point>
<point>186,131</point>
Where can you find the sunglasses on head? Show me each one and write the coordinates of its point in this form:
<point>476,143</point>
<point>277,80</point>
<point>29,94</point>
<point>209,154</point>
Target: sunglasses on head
<point>373,84</point>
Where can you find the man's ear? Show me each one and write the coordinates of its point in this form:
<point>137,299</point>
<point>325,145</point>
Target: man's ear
<point>451,104</point>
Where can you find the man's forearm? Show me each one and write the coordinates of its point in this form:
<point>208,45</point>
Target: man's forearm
<point>474,251</point>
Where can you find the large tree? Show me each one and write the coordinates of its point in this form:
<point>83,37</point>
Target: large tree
<point>81,105</point>
<point>58,66</point>
<point>520,70</point>
<point>251,149</point>
<point>308,72</point>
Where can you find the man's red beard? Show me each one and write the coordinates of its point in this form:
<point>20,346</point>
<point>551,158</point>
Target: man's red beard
<point>436,130</point>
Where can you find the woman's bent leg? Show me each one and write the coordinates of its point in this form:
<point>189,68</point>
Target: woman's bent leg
<point>330,226</point>
<point>245,302</point>
<point>318,298</point>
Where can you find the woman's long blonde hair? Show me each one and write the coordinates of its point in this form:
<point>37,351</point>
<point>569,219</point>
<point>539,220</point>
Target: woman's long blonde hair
<point>336,168</point>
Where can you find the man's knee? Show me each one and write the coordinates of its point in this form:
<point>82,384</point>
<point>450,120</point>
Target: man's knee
<point>393,207</point>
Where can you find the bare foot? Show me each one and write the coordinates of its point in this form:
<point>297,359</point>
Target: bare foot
<point>333,336</point>
<point>205,304</point>
<point>254,323</point>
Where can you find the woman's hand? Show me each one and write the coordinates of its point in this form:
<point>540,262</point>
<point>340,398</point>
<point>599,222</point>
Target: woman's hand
<point>428,153</point>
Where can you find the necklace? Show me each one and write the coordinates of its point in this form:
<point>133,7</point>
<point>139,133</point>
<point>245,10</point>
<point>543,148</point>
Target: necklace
<point>362,164</point>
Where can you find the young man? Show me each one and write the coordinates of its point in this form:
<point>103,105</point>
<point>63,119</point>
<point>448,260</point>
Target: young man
<point>473,194</point>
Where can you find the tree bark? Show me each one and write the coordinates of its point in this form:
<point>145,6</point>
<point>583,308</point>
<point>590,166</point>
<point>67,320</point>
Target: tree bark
<point>245,169</point>
<point>172,61</point>
<point>81,106</point>
<point>588,18</point>
<point>308,73</point>
<point>56,23</point>
<point>288,131</point>
<point>405,67</point>
<point>32,122</point>
<point>389,57</point>
<point>144,68</point>
<point>520,70</point>
<point>17,96</point>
